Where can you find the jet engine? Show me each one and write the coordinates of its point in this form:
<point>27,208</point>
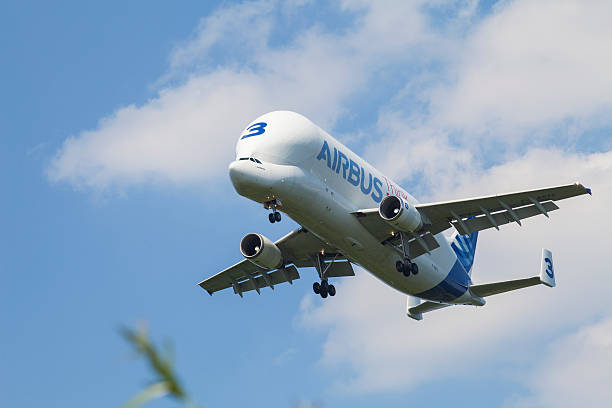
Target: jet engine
<point>261,251</point>
<point>400,214</point>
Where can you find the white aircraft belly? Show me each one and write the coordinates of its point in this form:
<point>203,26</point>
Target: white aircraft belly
<point>326,213</point>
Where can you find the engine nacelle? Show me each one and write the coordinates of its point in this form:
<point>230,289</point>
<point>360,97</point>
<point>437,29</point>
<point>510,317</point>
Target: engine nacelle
<point>400,214</point>
<point>261,251</point>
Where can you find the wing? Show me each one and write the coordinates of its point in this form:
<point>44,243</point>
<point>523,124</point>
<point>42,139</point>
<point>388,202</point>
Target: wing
<point>297,248</point>
<point>476,214</point>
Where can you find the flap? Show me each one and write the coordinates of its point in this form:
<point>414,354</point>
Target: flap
<point>288,274</point>
<point>339,269</point>
<point>503,217</point>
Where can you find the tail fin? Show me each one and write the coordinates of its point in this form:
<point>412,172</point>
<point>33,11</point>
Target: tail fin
<point>465,248</point>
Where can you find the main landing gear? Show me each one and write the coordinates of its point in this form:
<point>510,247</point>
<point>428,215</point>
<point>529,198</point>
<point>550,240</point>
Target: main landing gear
<point>406,267</point>
<point>324,288</point>
<point>274,216</point>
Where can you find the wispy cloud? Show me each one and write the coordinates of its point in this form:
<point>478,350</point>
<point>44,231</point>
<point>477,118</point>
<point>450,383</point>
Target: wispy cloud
<point>575,371</point>
<point>187,133</point>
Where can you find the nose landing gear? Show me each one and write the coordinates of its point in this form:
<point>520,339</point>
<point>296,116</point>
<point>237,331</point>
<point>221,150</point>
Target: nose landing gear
<point>274,216</point>
<point>407,267</point>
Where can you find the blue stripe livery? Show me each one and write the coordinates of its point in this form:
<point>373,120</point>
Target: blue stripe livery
<point>453,286</point>
<point>465,248</point>
<point>458,279</point>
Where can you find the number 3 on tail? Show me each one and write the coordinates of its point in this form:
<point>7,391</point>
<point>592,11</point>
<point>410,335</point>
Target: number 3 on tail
<point>549,268</point>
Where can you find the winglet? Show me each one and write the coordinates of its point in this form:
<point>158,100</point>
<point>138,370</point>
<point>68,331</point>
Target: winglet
<point>589,191</point>
<point>547,271</point>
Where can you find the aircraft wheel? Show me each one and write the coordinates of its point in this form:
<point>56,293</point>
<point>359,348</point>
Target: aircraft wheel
<point>407,267</point>
<point>332,290</point>
<point>277,216</point>
<point>325,285</point>
<point>323,293</point>
<point>316,287</point>
<point>271,218</point>
<point>415,268</point>
<point>399,265</point>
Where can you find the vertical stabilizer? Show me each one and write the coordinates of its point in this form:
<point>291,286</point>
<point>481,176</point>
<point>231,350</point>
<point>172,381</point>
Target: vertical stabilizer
<point>465,248</point>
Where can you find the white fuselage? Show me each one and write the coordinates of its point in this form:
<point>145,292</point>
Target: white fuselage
<point>320,182</point>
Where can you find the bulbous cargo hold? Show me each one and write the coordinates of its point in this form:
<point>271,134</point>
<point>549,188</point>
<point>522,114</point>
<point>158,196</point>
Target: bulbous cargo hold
<point>400,214</point>
<point>261,251</point>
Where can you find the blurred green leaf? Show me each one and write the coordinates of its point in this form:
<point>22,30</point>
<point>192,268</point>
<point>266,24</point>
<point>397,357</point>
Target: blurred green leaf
<point>166,383</point>
<point>150,393</point>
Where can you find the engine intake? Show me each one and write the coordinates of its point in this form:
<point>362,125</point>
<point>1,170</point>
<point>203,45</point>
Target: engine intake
<point>261,251</point>
<point>400,214</point>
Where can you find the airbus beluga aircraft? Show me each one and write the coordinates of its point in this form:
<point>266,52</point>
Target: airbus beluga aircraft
<point>350,213</point>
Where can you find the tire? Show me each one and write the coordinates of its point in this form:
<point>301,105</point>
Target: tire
<point>316,287</point>
<point>324,286</point>
<point>332,290</point>
<point>277,216</point>
<point>323,293</point>
<point>407,267</point>
<point>271,218</point>
<point>415,269</point>
<point>399,265</point>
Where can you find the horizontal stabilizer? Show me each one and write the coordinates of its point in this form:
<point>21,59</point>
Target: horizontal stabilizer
<point>416,309</point>
<point>489,289</point>
<point>546,277</point>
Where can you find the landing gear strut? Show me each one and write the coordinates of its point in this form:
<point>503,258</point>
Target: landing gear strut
<point>274,216</point>
<point>324,288</point>
<point>406,266</point>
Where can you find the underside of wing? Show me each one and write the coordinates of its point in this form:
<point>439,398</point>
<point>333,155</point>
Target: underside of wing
<point>417,243</point>
<point>476,214</point>
<point>468,216</point>
<point>300,248</point>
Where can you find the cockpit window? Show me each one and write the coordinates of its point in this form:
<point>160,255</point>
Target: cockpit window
<point>250,158</point>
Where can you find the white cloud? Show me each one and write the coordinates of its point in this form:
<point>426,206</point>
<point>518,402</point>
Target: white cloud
<point>575,371</point>
<point>532,63</point>
<point>187,133</point>
<point>368,329</point>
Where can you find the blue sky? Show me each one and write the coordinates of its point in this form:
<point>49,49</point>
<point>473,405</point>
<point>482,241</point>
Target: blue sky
<point>119,120</point>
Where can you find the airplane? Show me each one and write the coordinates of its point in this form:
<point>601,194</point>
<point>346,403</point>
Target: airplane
<point>351,213</point>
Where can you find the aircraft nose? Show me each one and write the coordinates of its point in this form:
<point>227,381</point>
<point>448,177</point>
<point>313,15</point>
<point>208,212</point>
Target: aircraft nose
<point>244,176</point>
